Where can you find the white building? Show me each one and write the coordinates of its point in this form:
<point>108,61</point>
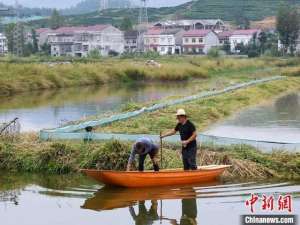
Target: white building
<point>79,41</point>
<point>244,37</point>
<point>165,42</point>
<point>3,44</point>
<point>199,41</point>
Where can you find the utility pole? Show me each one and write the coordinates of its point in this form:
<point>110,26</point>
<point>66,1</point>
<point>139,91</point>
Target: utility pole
<point>18,36</point>
<point>142,24</point>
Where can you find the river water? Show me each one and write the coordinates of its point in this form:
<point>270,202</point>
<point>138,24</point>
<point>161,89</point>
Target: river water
<point>74,199</point>
<point>277,121</point>
<point>50,109</point>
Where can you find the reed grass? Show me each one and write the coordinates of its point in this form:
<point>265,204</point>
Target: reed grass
<point>27,76</point>
<point>28,154</point>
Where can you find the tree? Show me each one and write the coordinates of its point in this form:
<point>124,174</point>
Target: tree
<point>94,54</point>
<point>126,24</point>
<point>9,33</point>
<point>46,49</point>
<point>15,38</point>
<point>240,19</point>
<point>288,26</point>
<point>56,20</point>
<point>35,45</point>
<point>262,37</point>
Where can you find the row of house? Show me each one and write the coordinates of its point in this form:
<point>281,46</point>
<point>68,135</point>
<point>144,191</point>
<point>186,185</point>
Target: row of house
<point>167,37</point>
<point>194,41</point>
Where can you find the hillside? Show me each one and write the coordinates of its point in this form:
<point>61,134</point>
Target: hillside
<point>227,10</point>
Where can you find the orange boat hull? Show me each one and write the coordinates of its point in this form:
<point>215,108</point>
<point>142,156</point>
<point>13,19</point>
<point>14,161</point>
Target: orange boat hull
<point>135,179</point>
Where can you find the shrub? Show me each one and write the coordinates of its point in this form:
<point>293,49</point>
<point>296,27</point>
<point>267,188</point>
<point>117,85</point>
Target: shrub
<point>214,53</point>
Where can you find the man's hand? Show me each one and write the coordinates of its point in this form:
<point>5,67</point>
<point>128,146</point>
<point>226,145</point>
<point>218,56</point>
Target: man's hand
<point>167,134</point>
<point>185,143</point>
<point>128,167</point>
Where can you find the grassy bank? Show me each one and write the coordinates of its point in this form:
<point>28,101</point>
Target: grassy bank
<point>27,154</point>
<point>27,76</point>
<point>207,111</point>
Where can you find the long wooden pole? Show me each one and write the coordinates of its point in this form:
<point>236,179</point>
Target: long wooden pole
<point>161,150</point>
<point>161,165</point>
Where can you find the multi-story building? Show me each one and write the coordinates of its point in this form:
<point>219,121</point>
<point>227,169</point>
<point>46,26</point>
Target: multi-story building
<point>42,35</point>
<point>79,41</point>
<point>163,41</point>
<point>211,24</point>
<point>199,41</point>
<point>3,44</point>
<point>131,41</point>
<point>242,37</point>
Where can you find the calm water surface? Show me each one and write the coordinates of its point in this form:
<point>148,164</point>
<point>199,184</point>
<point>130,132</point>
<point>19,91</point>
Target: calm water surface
<point>278,121</point>
<point>50,109</point>
<point>76,200</point>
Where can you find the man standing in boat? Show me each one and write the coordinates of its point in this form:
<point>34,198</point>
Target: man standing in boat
<point>188,135</point>
<point>143,147</point>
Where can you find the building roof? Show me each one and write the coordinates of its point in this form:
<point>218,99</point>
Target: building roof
<point>42,30</point>
<point>72,30</point>
<point>245,32</point>
<point>196,33</point>
<point>154,31</point>
<point>158,31</point>
<point>225,34</point>
<point>131,34</point>
<point>171,31</point>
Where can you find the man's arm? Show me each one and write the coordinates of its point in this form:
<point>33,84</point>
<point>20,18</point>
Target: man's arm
<point>168,133</point>
<point>131,158</point>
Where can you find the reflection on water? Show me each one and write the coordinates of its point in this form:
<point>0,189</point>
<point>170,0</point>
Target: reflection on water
<point>279,122</point>
<point>48,109</point>
<point>76,200</point>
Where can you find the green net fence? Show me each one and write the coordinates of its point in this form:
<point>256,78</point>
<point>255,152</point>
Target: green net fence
<point>75,132</point>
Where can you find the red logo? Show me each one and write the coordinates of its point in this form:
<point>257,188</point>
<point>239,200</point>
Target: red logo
<point>267,203</point>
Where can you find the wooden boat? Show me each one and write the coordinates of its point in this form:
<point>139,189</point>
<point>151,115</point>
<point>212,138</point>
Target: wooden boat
<point>135,179</point>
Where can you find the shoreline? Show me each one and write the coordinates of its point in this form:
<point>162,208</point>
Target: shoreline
<point>205,112</point>
<point>29,155</point>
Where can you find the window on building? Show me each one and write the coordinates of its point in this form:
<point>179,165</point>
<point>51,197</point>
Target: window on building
<point>200,40</point>
<point>85,48</point>
<point>186,40</point>
<point>193,40</point>
<point>162,49</point>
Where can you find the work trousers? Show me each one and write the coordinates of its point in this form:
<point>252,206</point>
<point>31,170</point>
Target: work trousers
<point>189,155</point>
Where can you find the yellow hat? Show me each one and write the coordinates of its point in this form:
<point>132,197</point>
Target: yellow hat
<point>180,112</point>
